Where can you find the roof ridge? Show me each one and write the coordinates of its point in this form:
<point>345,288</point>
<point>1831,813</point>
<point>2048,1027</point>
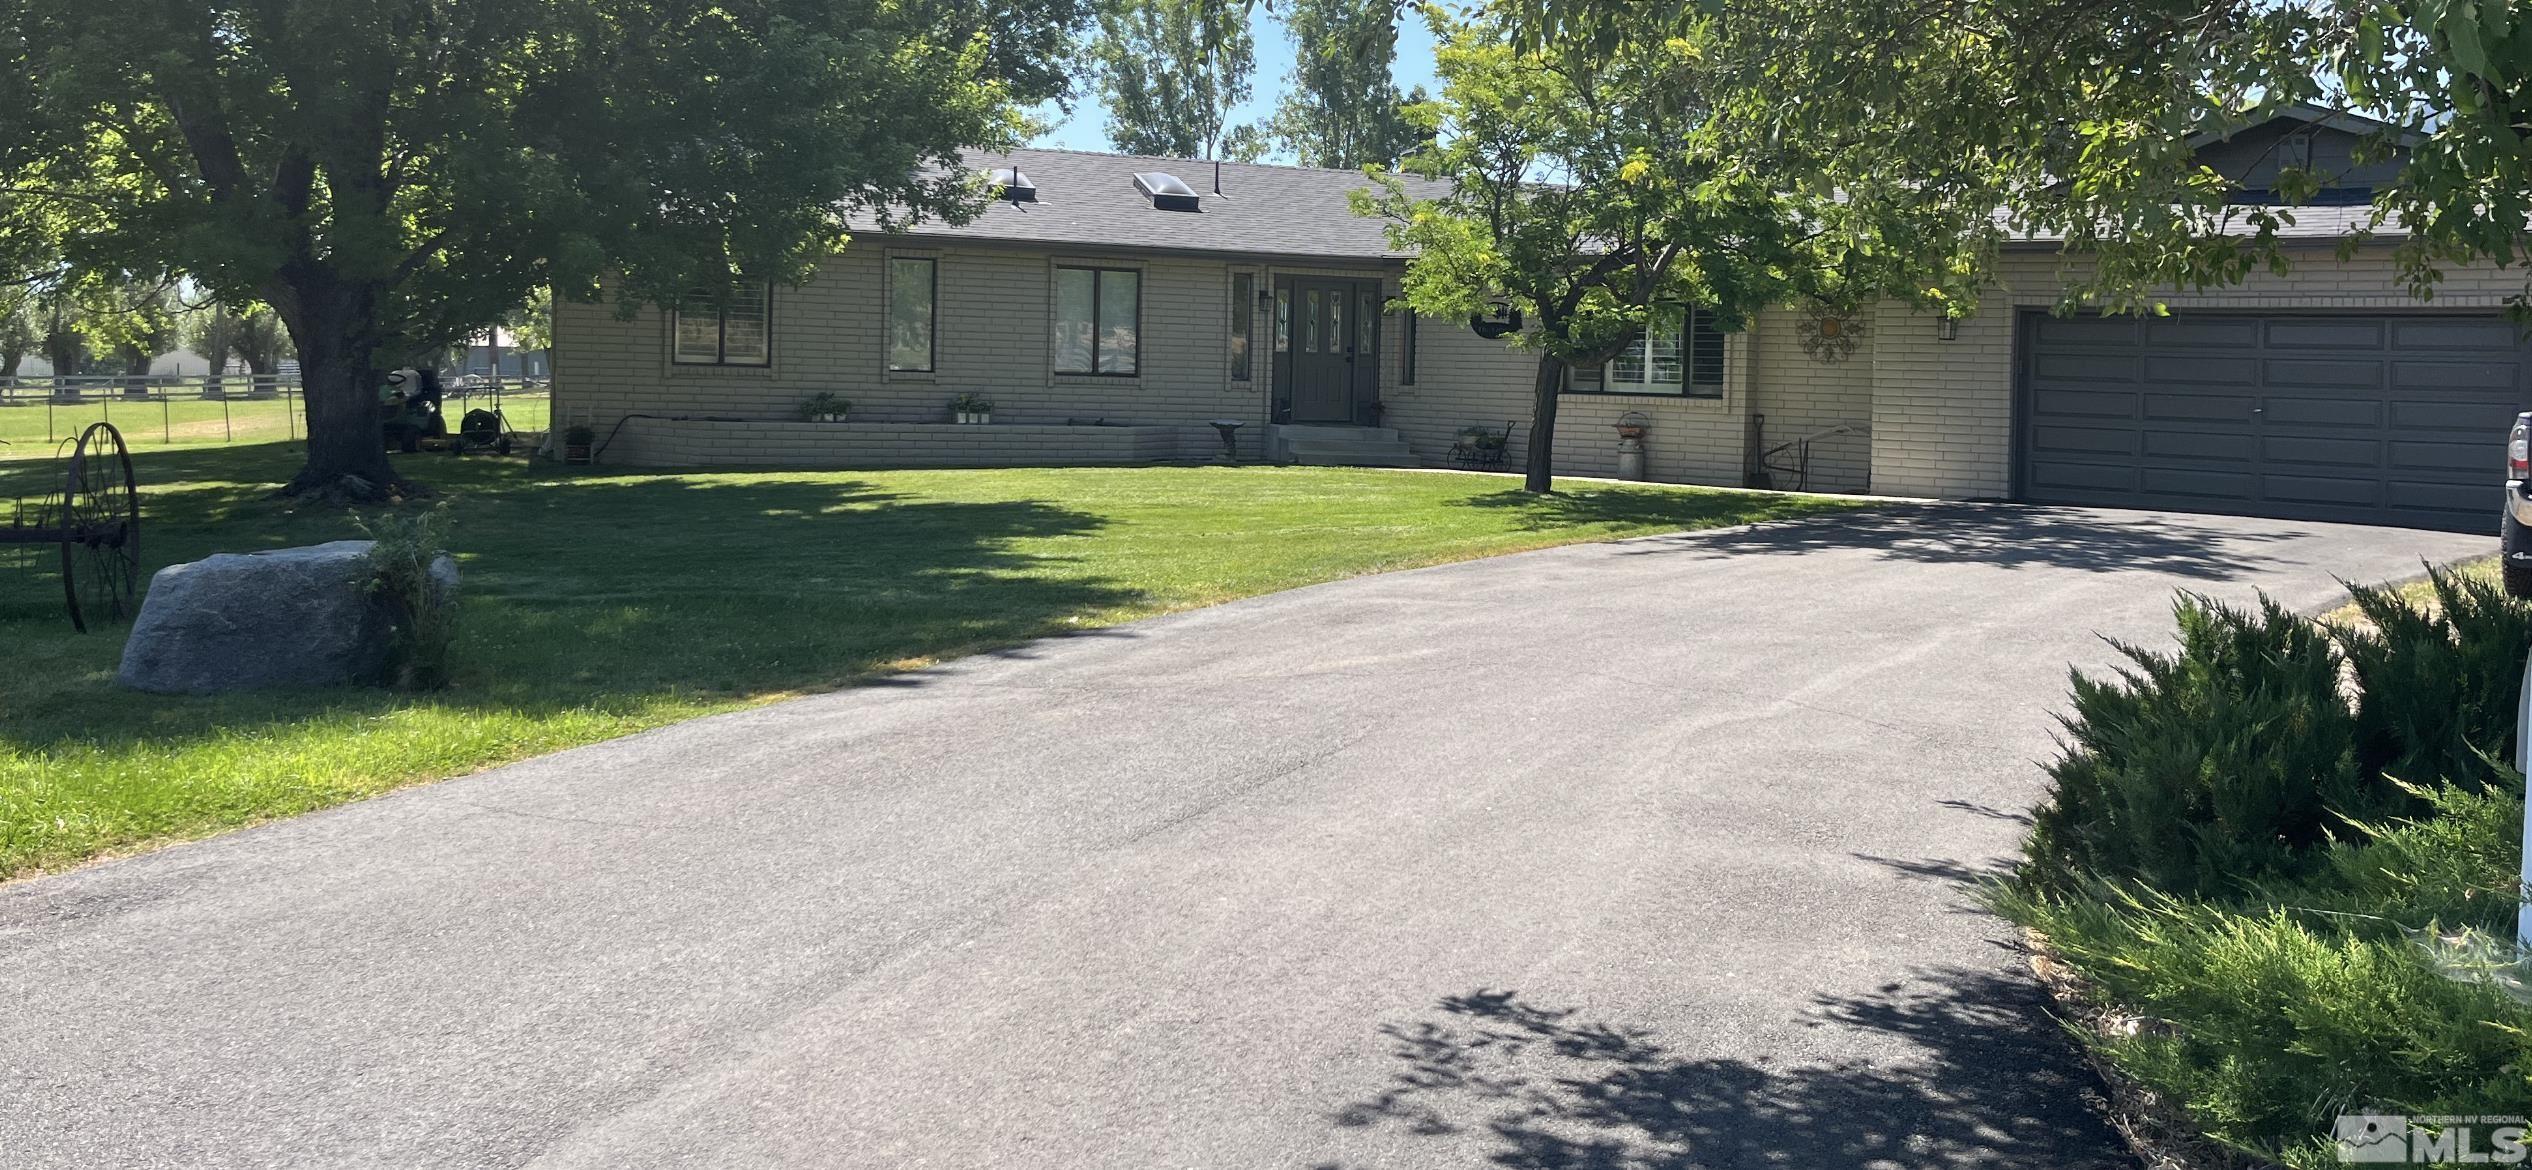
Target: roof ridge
<point>1202,162</point>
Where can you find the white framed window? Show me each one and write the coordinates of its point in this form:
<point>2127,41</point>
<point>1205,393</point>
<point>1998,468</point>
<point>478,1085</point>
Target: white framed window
<point>913,292</point>
<point>1680,352</point>
<point>724,327</point>
<point>1098,321</point>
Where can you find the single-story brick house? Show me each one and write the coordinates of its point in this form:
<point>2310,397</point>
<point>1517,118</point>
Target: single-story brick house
<point>1110,314</point>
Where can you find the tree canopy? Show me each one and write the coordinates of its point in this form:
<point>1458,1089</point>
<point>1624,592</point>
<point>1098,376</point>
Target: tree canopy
<point>392,176</point>
<point>2079,118</point>
<point>1591,191</point>
<point>1342,109</point>
<point>1169,73</point>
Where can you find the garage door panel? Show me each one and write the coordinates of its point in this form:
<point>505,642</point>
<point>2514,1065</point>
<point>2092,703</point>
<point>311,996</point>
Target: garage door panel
<point>2465,377</point>
<point>2452,455</point>
<point>2083,440</point>
<point>2307,449</point>
<point>2105,477</point>
<point>2201,370</point>
<point>2454,498</point>
<point>2222,333</point>
<point>2205,484</point>
<point>2351,374</point>
<point>2321,489</point>
<point>2086,367</point>
<point>2472,418</point>
<point>2199,407</point>
<point>2051,403</point>
<point>2494,335</point>
<point>2292,333</point>
<point>2065,332</point>
<point>2387,419</point>
<point>2238,448</point>
<point>2322,412</point>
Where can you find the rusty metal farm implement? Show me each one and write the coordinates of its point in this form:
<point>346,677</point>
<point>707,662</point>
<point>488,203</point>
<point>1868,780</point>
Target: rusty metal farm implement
<point>96,521</point>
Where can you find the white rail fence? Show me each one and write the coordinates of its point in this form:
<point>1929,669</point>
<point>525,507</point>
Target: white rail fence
<point>202,408</point>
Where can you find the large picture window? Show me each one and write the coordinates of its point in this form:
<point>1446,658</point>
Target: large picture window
<point>1680,352</point>
<point>725,327</point>
<point>1098,320</point>
<point>913,288</point>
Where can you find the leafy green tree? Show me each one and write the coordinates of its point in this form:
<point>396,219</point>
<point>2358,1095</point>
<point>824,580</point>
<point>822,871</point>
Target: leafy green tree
<point>64,346</point>
<point>1169,73</point>
<point>1341,108</point>
<point>2078,119</point>
<point>132,321</point>
<point>532,323</point>
<point>260,341</point>
<point>211,334</point>
<point>18,334</point>
<point>1588,192</point>
<point>392,176</point>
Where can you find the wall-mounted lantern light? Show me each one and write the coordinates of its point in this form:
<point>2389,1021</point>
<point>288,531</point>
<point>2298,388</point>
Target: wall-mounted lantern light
<point>1947,328</point>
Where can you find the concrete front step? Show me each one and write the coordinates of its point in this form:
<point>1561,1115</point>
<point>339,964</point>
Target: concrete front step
<point>1338,446</point>
<point>1306,432</point>
<point>1322,453</point>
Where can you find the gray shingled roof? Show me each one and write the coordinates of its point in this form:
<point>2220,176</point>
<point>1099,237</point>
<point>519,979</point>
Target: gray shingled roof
<point>1088,201</point>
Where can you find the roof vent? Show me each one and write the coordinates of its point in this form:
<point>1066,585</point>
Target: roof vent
<point>1009,183</point>
<point>1166,192</point>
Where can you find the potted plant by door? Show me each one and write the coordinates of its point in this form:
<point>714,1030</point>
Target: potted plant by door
<point>825,406</point>
<point>576,441</point>
<point>971,409</point>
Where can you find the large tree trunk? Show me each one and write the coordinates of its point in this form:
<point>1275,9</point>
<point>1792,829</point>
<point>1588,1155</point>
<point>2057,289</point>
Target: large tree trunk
<point>347,451</point>
<point>1542,461</point>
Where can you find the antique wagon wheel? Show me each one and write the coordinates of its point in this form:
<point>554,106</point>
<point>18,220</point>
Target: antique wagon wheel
<point>101,528</point>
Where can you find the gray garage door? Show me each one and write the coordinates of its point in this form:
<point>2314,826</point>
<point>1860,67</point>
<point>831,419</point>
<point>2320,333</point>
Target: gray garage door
<point>2390,419</point>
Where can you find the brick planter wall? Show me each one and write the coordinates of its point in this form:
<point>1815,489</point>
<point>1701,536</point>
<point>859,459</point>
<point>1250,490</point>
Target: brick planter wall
<point>665,443</point>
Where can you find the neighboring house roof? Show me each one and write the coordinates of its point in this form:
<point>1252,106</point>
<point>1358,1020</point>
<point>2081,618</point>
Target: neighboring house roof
<point>1090,202</point>
<point>2310,224</point>
<point>2305,113</point>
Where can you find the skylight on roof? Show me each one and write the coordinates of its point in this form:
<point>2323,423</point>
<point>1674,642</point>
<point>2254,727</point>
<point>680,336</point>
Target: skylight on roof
<point>1010,183</point>
<point>1166,192</point>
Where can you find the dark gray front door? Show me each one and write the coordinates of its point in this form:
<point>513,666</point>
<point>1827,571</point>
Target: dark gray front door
<point>1330,367</point>
<point>2378,419</point>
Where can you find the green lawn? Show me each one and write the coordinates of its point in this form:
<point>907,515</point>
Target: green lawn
<point>32,427</point>
<point>600,604</point>
<point>2421,592</point>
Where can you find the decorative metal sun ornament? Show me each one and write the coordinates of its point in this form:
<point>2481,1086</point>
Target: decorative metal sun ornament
<point>1830,336</point>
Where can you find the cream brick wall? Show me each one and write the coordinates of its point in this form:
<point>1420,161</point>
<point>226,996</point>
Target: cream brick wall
<point>1466,380</point>
<point>1801,395</point>
<point>993,337</point>
<point>1938,414</point>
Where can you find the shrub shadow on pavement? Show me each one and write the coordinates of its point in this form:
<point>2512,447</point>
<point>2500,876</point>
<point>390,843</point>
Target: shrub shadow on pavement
<point>1991,1083</point>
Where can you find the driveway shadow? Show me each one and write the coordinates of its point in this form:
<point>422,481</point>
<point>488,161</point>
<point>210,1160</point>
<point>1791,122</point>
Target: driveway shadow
<point>2010,536</point>
<point>1545,1088</point>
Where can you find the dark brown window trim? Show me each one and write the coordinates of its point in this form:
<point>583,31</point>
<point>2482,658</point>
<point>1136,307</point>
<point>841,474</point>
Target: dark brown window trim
<point>931,298</point>
<point>721,338</point>
<point>1097,279</point>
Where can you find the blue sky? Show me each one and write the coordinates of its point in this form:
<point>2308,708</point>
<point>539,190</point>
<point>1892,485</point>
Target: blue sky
<point>1274,59</point>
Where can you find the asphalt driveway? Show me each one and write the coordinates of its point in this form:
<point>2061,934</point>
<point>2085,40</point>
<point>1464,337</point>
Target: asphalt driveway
<point>1645,854</point>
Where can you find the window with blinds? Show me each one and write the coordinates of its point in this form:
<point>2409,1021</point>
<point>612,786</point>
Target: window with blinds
<point>725,327</point>
<point>1681,352</point>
